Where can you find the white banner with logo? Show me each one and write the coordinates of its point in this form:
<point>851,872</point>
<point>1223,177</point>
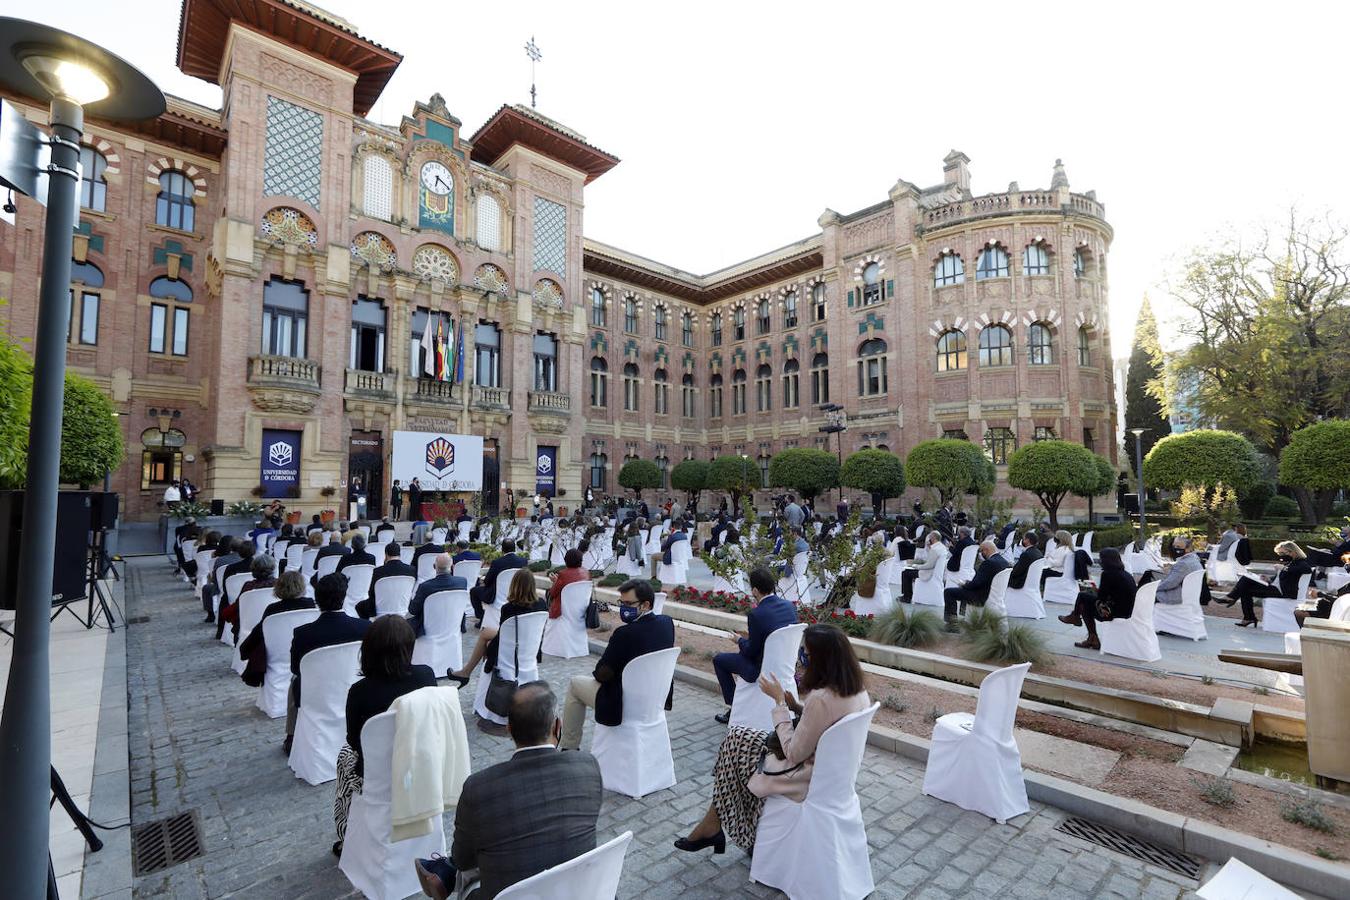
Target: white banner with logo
<point>438,460</point>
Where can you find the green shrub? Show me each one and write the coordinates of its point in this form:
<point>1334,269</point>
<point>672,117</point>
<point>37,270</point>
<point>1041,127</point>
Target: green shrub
<point>539,565</point>
<point>978,620</point>
<point>1019,644</point>
<point>614,579</point>
<point>1216,791</point>
<point>902,627</point>
<point>1308,813</point>
<point>1282,507</point>
<point>596,574</point>
<point>893,702</point>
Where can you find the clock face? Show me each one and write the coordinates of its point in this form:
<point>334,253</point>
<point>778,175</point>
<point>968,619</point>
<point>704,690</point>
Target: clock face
<point>436,178</point>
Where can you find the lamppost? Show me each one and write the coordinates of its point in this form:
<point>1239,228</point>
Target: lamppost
<point>1139,468</point>
<point>40,61</point>
<point>836,422</point>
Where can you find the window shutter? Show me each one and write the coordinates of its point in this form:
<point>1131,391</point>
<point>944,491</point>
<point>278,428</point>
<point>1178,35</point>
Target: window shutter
<point>890,287</point>
<point>850,298</point>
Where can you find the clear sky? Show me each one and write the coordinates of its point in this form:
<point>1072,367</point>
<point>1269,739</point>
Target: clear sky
<point>738,123</point>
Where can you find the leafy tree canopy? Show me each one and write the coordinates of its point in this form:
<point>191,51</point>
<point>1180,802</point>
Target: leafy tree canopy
<point>1318,461</point>
<point>16,374</point>
<point>690,475</point>
<point>878,472</point>
<point>1142,408</point>
<point>91,441</point>
<point>1053,469</point>
<point>640,474</point>
<point>1207,458</point>
<point>806,470</point>
<point>735,474</point>
<point>949,466</point>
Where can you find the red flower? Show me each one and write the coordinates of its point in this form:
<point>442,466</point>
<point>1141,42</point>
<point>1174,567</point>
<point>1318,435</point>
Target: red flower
<point>850,614</point>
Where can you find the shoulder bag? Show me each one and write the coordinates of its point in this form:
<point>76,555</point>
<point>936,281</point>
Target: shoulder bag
<point>500,691</point>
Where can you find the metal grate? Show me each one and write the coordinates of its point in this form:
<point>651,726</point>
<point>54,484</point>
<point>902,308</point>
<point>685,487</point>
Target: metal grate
<point>1129,845</point>
<point>164,843</point>
<point>138,620</point>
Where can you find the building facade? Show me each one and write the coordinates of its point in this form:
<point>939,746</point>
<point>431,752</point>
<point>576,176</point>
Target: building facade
<point>273,266</point>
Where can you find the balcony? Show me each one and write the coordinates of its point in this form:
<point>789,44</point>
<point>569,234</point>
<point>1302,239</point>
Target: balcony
<point>550,402</point>
<point>1008,203</point>
<point>491,397</point>
<point>372,385</point>
<point>284,383</point>
<point>428,390</point>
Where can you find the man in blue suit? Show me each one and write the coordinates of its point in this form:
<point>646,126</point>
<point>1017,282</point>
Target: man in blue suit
<point>442,581</point>
<point>771,613</point>
<point>462,552</point>
<point>333,626</point>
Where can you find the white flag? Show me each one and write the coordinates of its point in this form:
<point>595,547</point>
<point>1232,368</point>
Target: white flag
<point>428,349</point>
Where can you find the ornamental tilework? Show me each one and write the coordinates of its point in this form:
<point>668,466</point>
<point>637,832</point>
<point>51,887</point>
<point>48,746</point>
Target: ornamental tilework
<point>375,249</point>
<point>284,225</point>
<point>293,159</point>
<point>550,236</point>
<point>490,278</point>
<point>434,262</point>
<point>547,293</point>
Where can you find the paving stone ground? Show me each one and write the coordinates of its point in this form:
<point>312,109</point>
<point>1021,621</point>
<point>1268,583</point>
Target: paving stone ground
<point>198,742</point>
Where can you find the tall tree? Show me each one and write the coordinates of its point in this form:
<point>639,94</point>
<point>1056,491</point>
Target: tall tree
<point>638,475</point>
<point>878,472</point>
<point>1142,408</point>
<point>806,470</point>
<point>950,466</point>
<point>1318,461</point>
<point>1209,466</point>
<point>690,476</point>
<point>1051,470</point>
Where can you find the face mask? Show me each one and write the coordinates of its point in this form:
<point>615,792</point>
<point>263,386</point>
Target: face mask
<point>802,658</point>
<point>629,614</point>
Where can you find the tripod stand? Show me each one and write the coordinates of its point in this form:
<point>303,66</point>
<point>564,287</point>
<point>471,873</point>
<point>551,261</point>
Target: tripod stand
<point>82,823</point>
<point>93,592</point>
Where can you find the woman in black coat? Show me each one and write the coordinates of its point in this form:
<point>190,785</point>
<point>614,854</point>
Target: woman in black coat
<point>1285,583</point>
<point>1113,599</point>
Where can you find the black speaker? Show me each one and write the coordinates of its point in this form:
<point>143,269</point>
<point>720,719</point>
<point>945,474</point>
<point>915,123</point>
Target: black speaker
<point>74,511</point>
<point>104,510</point>
<point>217,507</point>
<point>1131,504</point>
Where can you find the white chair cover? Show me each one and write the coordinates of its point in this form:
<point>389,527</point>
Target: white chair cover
<point>307,557</point>
<point>998,589</point>
<point>565,636</point>
<point>1063,589</point>
<point>1293,644</point>
<point>528,631</point>
<point>327,565</point>
<point>928,591</point>
<point>660,602</point>
<point>1239,880</point>
<point>438,535</point>
<point>629,567</point>
<point>358,585</point>
<point>1337,579</point>
<point>635,757</point>
<point>426,567</point>
<point>462,530</point>
<point>233,585</point>
<point>881,600</point>
<point>1087,542</point>
<point>203,560</point>
<point>469,570</point>
<point>278,629</point>
<point>294,556</point>
<point>973,761</point>
<point>676,571</point>
<point>1277,613</point>
<point>405,554</point>
<point>365,532</point>
<point>440,646</point>
<point>796,587</point>
<point>393,593</point>
<point>1026,602</point>
<point>1133,638</point>
<point>967,570</point>
<point>749,705</point>
<point>817,849</point>
<point>1340,609</point>
<point>593,875</point>
<point>1185,619</point>
<point>1224,570</point>
<point>492,615</point>
<point>321,726</point>
<point>376,866</point>
<point>251,606</point>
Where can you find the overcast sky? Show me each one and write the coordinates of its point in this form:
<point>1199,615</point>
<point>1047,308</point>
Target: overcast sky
<point>738,123</point>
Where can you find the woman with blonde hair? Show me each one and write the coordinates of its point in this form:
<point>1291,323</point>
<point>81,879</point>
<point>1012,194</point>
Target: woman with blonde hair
<point>1057,555</point>
<point>1284,584</point>
<point>521,597</point>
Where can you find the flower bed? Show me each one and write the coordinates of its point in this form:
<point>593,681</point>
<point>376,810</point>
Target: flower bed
<point>852,624</point>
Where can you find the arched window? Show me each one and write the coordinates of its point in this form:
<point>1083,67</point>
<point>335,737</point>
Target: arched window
<point>598,318</point>
<point>871,292</point>
<point>171,289</point>
<point>93,187</point>
<point>378,187</point>
<point>738,392</point>
<point>1080,263</point>
<point>738,324</point>
<point>660,319</point>
<point>630,387</point>
<point>1042,343</point>
<point>489,222</point>
<point>173,206</point>
<point>598,463</point>
<point>630,323</point>
<point>599,382</point>
<point>993,263</point>
<point>1044,433</point>
<point>763,315</point>
<point>285,318</point>
<point>820,379</point>
<point>791,384</point>
<point>790,309</point>
<point>161,457</point>
<point>716,329</point>
<point>951,351</point>
<point>1035,260</point>
<point>83,299</point>
<point>763,388</point>
<point>872,368</point>
<point>949,270</point>
<point>715,397</point>
<point>687,328</point>
<point>1084,346</point>
<point>818,303</point>
<point>545,362</point>
<point>662,389</point>
<point>999,444</point>
<point>996,347</point>
<point>687,392</point>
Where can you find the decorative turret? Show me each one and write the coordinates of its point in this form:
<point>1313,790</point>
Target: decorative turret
<point>955,170</point>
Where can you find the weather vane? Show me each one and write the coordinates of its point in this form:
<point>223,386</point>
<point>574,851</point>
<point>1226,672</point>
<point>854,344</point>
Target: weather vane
<point>532,51</point>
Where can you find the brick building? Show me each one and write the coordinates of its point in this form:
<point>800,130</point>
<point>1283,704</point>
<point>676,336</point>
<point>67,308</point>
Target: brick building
<point>274,264</point>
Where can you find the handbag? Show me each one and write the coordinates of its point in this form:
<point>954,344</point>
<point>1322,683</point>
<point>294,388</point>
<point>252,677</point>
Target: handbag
<point>592,615</point>
<point>501,691</point>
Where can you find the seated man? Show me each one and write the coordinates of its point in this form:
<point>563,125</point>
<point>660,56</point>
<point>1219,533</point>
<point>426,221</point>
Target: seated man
<point>334,547</point>
<point>243,548</point>
<point>358,556</point>
<point>442,581</point>
<point>385,525</point>
<point>462,553</point>
<point>963,540</point>
<point>1332,557</point>
<point>485,593</point>
<point>643,632</point>
<point>333,626</point>
<point>290,593</point>
<point>1018,579</point>
<point>1188,561</point>
<point>976,590</point>
<point>393,565</point>
<point>261,528</point>
<point>535,811</point>
<point>769,614</point>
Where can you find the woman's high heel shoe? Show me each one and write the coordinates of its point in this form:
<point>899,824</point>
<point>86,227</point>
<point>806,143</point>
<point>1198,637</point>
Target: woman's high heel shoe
<point>717,841</point>
<point>461,680</point>
<point>1245,623</point>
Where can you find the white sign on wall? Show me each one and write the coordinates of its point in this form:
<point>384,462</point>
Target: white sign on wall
<point>438,460</point>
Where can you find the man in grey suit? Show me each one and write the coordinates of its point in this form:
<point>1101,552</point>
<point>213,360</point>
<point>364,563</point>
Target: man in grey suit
<point>517,818</point>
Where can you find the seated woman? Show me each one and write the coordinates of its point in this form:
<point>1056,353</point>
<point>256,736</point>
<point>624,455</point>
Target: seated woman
<point>1285,583</point>
<point>904,547</point>
<point>831,687</point>
<point>290,593</point>
<point>571,573</point>
<point>931,567</point>
<point>261,569</point>
<point>387,674</point>
<point>521,598</point>
<point>1058,554</point>
<point>1114,599</point>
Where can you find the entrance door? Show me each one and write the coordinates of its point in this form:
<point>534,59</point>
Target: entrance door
<point>492,478</point>
<point>365,460</point>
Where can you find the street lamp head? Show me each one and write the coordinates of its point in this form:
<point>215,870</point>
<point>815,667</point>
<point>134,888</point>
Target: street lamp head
<point>66,78</point>
<point>1138,432</point>
<point>40,61</point>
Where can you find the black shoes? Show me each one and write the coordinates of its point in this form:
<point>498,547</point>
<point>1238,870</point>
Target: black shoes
<point>717,841</point>
<point>286,745</point>
<point>461,680</point>
<point>492,728</point>
<point>437,877</point>
<point>723,718</point>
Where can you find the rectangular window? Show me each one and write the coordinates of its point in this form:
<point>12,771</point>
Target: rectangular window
<point>872,376</point>
<point>285,318</point>
<point>159,314</point>
<point>1044,433</point>
<point>545,363</point>
<point>88,328</point>
<point>180,331</point>
<point>487,355</point>
<point>687,331</point>
<point>999,444</point>
<point>367,339</point>
<point>160,467</point>
<point>954,434</point>
<point>820,386</point>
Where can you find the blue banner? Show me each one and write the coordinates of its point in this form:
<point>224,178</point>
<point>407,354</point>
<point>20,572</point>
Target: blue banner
<point>280,463</point>
<point>545,471</point>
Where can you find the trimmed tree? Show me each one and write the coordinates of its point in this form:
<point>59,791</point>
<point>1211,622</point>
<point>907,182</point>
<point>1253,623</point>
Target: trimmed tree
<point>690,476</point>
<point>1142,408</point>
<point>91,441</point>
<point>16,374</point>
<point>878,472</point>
<point>1209,466</point>
<point>1052,470</point>
<point>949,466</point>
<point>638,475</point>
<point>1318,460</point>
<point>806,470</point>
<point>1105,483</point>
<point>737,475</point>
